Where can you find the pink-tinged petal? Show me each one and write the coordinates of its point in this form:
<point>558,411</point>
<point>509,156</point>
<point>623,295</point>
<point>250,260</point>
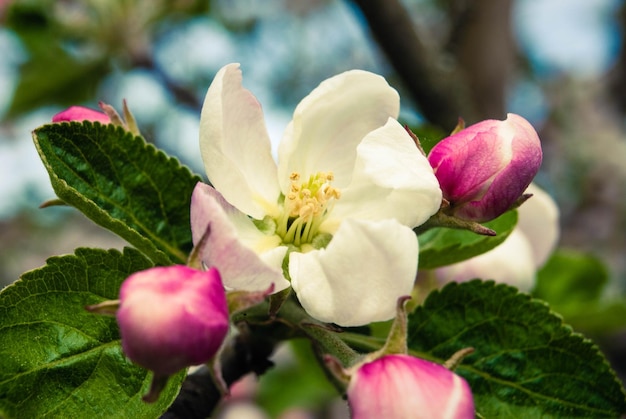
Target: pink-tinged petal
<point>402,386</point>
<point>467,161</point>
<point>512,181</point>
<point>539,222</point>
<point>235,145</point>
<point>392,179</point>
<point>359,276</point>
<point>512,262</point>
<point>80,113</point>
<point>172,317</point>
<point>486,167</point>
<point>331,121</point>
<point>247,259</point>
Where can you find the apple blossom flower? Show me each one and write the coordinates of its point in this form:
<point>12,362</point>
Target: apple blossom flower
<point>172,317</point>
<point>402,386</point>
<point>516,260</point>
<point>80,113</point>
<point>484,169</point>
<point>333,219</point>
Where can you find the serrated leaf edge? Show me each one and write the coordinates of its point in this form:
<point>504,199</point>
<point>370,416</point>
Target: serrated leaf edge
<point>70,194</point>
<point>571,334</point>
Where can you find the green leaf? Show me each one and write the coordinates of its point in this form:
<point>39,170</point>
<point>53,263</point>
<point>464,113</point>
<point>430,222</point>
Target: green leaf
<point>298,381</point>
<point>57,359</point>
<point>429,135</point>
<point>445,246</point>
<point>570,280</point>
<point>51,74</point>
<point>600,319</point>
<point>526,363</point>
<point>573,283</point>
<point>123,184</point>
<point>56,78</point>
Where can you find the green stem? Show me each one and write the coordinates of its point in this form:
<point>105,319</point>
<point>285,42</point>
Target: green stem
<point>291,322</point>
<point>362,342</point>
<point>329,342</point>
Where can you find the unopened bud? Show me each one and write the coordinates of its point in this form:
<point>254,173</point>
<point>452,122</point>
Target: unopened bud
<point>485,168</point>
<point>172,317</point>
<point>402,386</point>
<point>80,113</point>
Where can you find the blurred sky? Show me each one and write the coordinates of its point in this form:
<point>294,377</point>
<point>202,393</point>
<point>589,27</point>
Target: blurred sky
<point>575,37</point>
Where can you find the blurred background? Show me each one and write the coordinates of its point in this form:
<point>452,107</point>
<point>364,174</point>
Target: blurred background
<point>559,63</point>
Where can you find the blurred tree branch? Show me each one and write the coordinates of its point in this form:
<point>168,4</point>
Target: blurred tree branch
<point>199,395</point>
<point>182,94</point>
<point>617,77</point>
<point>439,93</point>
<point>482,47</point>
<point>482,43</point>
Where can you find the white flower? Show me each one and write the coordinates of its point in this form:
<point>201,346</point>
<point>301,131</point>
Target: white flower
<point>334,218</point>
<point>516,260</point>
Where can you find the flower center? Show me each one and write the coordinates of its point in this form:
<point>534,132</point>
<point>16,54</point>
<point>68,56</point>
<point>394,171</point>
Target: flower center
<point>306,206</point>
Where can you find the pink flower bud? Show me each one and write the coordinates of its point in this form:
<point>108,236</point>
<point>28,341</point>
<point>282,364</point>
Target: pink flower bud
<point>402,386</point>
<point>172,317</point>
<point>483,169</point>
<point>80,113</point>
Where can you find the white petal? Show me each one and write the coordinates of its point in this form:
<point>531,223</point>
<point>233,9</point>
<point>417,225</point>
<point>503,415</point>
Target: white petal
<point>328,124</point>
<point>539,221</point>
<point>511,262</point>
<point>359,276</point>
<point>392,179</point>
<point>235,145</point>
<point>246,258</point>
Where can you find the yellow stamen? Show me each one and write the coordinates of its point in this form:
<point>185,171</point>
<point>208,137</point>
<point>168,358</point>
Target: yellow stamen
<point>305,207</point>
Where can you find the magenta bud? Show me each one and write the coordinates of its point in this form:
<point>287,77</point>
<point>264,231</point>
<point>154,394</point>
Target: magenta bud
<point>172,317</point>
<point>402,386</point>
<point>80,113</point>
<point>485,168</point>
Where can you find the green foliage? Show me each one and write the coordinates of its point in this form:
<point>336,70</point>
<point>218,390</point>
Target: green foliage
<point>296,382</point>
<point>570,281</point>
<point>601,319</point>
<point>123,184</point>
<point>444,246</point>
<point>526,363</point>
<point>429,135</point>
<point>68,81</point>
<point>57,359</point>
<point>573,283</point>
<point>71,48</point>
<point>51,74</point>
